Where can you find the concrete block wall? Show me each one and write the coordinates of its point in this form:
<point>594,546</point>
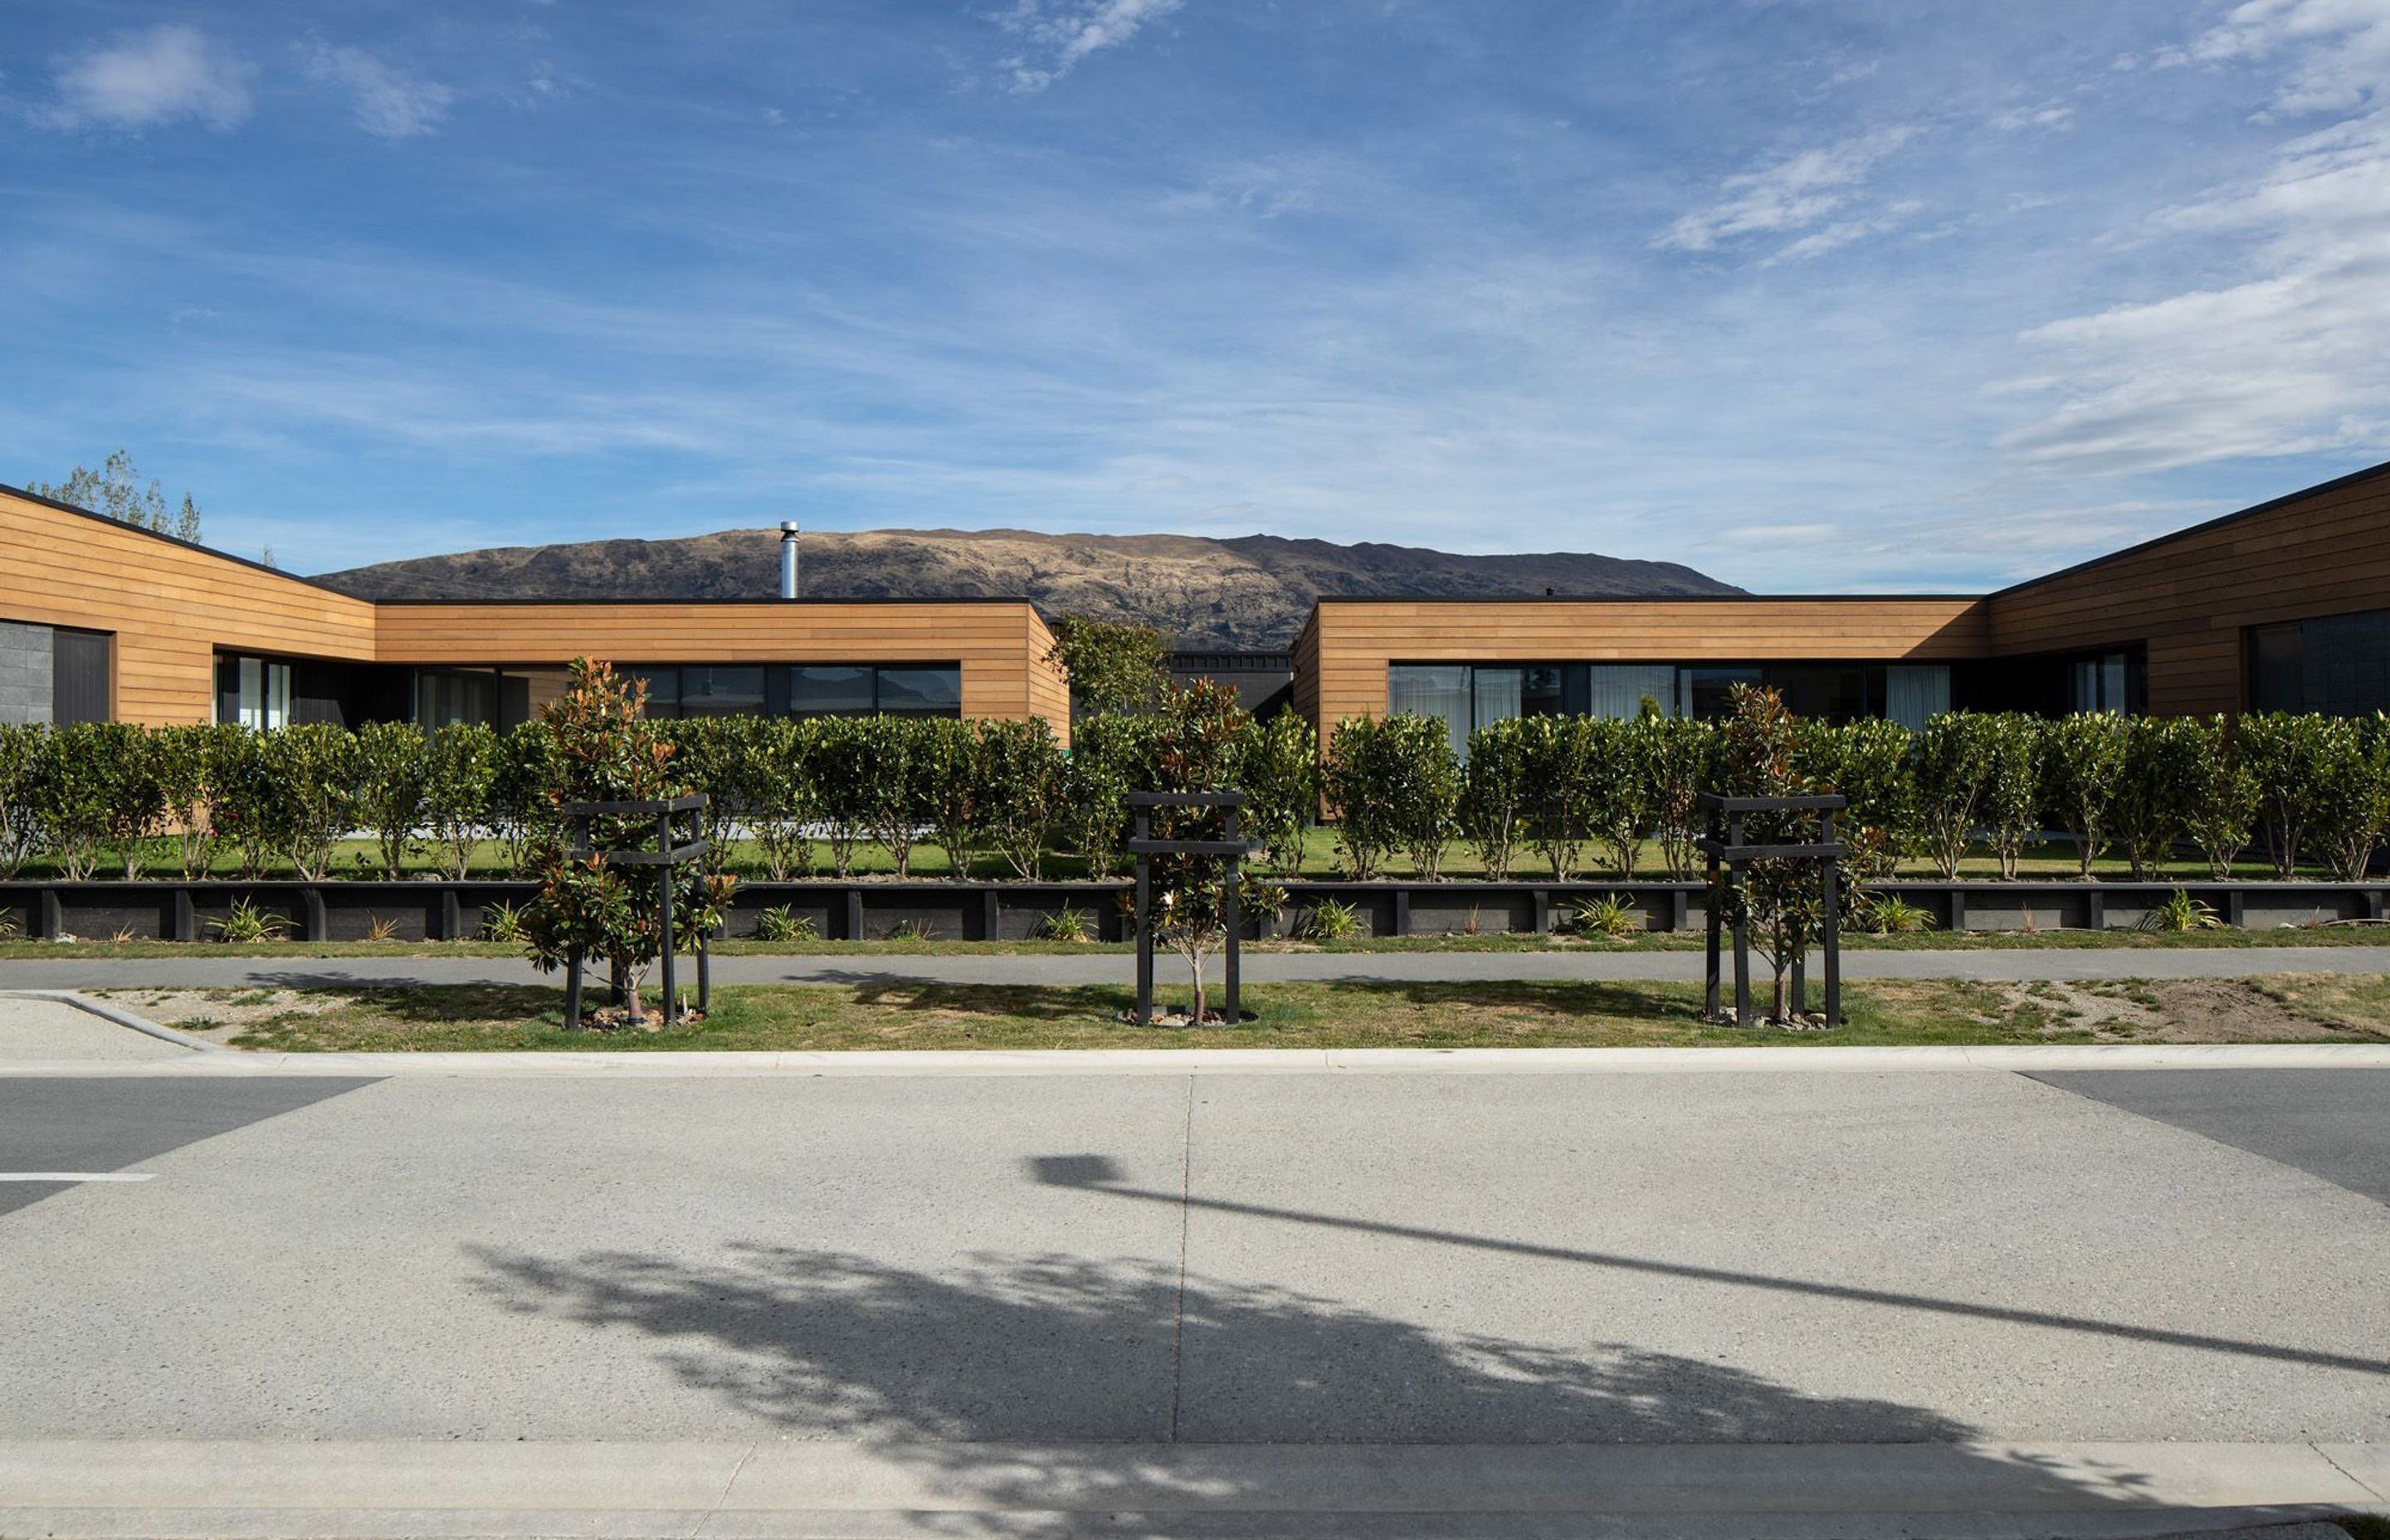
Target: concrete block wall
<point>25,671</point>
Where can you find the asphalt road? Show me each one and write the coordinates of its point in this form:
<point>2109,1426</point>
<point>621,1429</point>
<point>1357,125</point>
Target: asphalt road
<point>1088,1258</point>
<point>2221,962</point>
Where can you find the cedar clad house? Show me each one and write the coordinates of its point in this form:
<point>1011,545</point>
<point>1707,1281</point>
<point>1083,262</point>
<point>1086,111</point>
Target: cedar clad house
<point>2281,607</point>
<point>103,622</point>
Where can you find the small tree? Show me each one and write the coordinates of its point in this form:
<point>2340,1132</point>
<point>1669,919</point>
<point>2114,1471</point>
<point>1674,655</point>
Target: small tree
<point>1954,768</point>
<point>2352,793</point>
<point>1781,902</point>
<point>606,751</point>
<point>1198,741</point>
<point>843,765</point>
<point>192,764</point>
<point>2157,784</point>
<point>1113,666</point>
<point>2285,754</point>
<point>1869,763</point>
<point>1561,790</point>
<point>125,761</point>
<point>954,786</point>
<point>2222,809</point>
<point>2082,760</point>
<point>2012,797</point>
<point>1110,756</point>
<point>1418,779</point>
<point>460,778</point>
<point>519,805</point>
<point>313,773</point>
<point>1680,754</point>
<point>391,781</point>
<point>71,796</point>
<point>1617,788</point>
<point>898,798</point>
<point>22,748</point>
<point>1022,784</point>
<point>1494,795</point>
<point>1280,779</point>
<point>784,806</point>
<point>1350,780</point>
<point>248,805</point>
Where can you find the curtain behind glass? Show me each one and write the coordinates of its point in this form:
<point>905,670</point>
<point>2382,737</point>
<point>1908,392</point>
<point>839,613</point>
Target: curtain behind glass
<point>1440,690</point>
<point>1499,693</point>
<point>1912,692</point>
<point>1619,688</point>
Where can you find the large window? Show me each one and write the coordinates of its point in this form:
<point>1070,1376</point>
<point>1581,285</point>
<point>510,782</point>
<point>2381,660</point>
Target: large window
<point>1469,696</point>
<point>803,690</point>
<point>2105,682</point>
<point>254,692</point>
<point>445,699</point>
<point>2338,664</point>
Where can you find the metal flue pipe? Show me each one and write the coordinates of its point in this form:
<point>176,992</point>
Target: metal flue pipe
<point>788,560</point>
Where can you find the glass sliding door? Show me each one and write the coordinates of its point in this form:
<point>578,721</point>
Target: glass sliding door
<point>1440,690</point>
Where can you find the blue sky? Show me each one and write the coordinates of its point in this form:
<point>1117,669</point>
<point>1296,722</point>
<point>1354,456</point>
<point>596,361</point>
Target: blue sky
<point>1814,296</point>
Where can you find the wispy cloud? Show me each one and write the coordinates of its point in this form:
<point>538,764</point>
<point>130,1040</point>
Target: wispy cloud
<point>386,100</point>
<point>1794,193</point>
<point>2049,115</point>
<point>1060,35</point>
<point>2285,361</point>
<point>2346,60</point>
<point>149,79</point>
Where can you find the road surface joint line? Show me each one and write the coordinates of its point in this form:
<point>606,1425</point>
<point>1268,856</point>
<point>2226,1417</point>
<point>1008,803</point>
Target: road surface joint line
<point>76,1175</point>
<point>2325,1454</point>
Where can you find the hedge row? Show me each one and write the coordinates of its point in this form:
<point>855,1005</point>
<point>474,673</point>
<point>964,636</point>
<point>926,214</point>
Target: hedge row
<point>1562,791</point>
<point>125,799</point>
<point>2305,787</point>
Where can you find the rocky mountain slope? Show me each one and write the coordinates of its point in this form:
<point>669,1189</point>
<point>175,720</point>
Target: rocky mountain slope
<point>1248,593</point>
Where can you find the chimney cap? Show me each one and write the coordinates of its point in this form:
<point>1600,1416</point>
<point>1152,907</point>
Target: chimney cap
<point>788,526</point>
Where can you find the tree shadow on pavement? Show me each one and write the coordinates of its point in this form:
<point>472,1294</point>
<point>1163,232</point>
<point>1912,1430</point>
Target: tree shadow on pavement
<point>1069,1350</point>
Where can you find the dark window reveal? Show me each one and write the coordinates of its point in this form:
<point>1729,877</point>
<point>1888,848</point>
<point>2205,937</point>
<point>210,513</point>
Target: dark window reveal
<point>78,675</point>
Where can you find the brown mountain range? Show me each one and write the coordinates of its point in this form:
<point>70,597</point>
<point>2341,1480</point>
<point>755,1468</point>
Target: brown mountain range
<point>1248,593</point>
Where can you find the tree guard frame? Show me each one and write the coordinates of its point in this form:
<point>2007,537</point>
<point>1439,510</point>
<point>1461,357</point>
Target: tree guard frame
<point>1724,845</point>
<point>668,855</point>
<point>1145,847</point>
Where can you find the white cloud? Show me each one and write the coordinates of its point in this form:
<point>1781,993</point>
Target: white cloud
<point>1818,243</point>
<point>2347,49</point>
<point>387,100</point>
<point>2284,360</point>
<point>2054,115</point>
<point>1791,194</point>
<point>1062,33</point>
<point>150,78</point>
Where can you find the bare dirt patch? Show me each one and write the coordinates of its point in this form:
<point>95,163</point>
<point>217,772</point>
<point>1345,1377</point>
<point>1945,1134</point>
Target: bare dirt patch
<point>2291,1008</point>
<point>218,1014</point>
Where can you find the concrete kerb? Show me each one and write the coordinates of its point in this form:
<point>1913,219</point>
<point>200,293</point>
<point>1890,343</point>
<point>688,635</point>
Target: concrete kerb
<point>116,1016</point>
<point>1805,1059</point>
<point>173,1487</point>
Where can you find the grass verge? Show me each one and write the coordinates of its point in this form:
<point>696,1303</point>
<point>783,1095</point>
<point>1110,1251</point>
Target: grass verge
<point>1286,1016</point>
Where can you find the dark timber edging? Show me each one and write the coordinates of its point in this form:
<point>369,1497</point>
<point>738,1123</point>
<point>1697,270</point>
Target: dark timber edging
<point>872,909</point>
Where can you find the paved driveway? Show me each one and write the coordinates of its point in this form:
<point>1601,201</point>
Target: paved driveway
<point>1526,1258</point>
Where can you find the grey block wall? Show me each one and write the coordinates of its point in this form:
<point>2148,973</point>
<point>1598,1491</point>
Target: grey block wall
<point>25,671</point>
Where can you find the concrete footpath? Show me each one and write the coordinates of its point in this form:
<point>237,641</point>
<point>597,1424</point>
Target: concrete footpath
<point>121,1488</point>
<point>2006,964</point>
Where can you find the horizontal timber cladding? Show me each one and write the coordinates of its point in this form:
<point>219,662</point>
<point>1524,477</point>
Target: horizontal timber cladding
<point>169,605</point>
<point>1000,644</point>
<point>2188,597</point>
<point>1341,658</point>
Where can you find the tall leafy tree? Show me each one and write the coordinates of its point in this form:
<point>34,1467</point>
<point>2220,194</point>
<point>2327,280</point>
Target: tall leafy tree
<point>1113,666</point>
<point>116,491</point>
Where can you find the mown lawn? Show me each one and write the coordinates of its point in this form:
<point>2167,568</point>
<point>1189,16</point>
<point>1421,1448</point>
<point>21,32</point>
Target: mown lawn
<point>1286,1016</point>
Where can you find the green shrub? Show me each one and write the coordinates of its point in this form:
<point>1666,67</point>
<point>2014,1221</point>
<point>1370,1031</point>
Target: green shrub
<point>2082,760</point>
<point>1280,779</point>
<point>70,791</point>
<point>461,777</point>
<point>2221,809</point>
<point>1617,796</point>
<point>1679,759</point>
<point>2177,912</point>
<point>1493,811</point>
<point>1022,782</point>
<point>2285,754</point>
<point>954,788</point>
<point>391,774</point>
<point>900,792</point>
<point>192,768</point>
<point>1869,763</point>
<point>1954,770</point>
<point>126,759</point>
<point>844,762</point>
<point>1329,919</point>
<point>1110,757</point>
<point>502,922</point>
<point>2158,782</point>
<point>1070,923</point>
<point>2012,798</point>
<point>1888,914</point>
<point>247,923</point>
<point>781,802</point>
<point>310,776</point>
<point>1393,783</point>
<point>782,923</point>
<point>2352,794</point>
<point>522,804</point>
<point>1611,914</point>
<point>1565,785</point>
<point>21,747</point>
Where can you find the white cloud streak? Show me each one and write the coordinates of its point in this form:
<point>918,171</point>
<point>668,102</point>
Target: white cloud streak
<point>1061,36</point>
<point>387,101</point>
<point>1793,194</point>
<point>149,79</point>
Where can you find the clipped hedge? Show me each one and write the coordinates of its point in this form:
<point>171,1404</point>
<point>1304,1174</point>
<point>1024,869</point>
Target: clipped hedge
<point>1567,797</point>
